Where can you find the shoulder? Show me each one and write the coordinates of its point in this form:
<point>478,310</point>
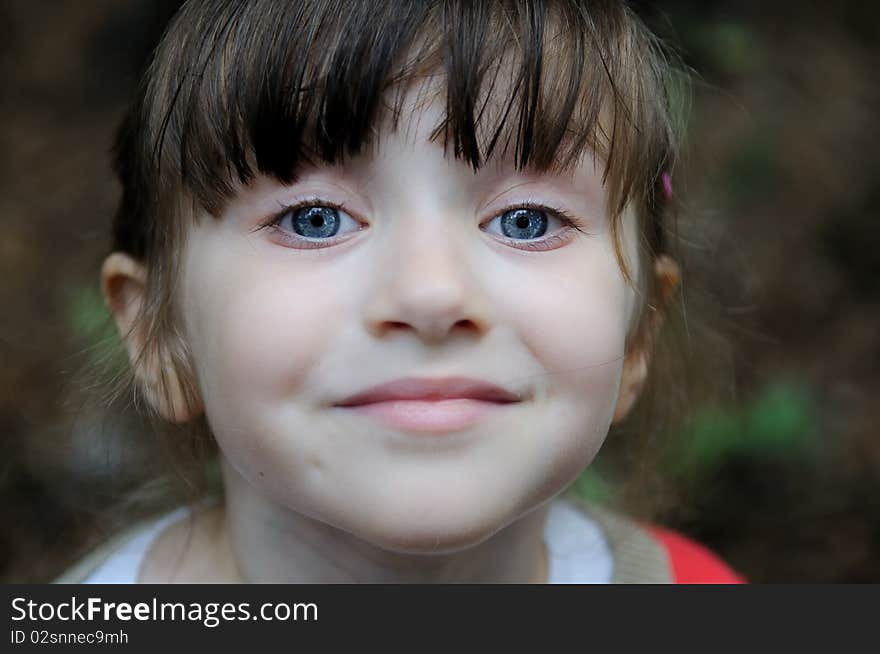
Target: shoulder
<point>118,559</point>
<point>189,551</point>
<point>99,561</point>
<point>648,553</point>
<point>692,563</point>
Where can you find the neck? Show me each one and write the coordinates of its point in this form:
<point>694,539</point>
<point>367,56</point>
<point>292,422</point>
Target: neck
<point>270,543</point>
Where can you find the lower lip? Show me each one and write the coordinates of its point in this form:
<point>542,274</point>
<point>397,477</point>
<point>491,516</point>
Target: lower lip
<point>429,416</point>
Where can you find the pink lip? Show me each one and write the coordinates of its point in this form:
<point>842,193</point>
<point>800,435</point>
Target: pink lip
<point>431,405</point>
<point>412,388</point>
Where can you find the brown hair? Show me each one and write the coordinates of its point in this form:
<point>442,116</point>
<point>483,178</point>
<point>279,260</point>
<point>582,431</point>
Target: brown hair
<point>240,88</point>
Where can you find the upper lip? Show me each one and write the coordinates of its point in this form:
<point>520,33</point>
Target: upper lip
<point>413,388</point>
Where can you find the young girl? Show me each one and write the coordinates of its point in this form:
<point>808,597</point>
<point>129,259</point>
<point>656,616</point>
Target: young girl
<point>403,263</point>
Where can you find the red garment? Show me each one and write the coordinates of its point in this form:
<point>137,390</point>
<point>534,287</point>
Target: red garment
<point>691,563</point>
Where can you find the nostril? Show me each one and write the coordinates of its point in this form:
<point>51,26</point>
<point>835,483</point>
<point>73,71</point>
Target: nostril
<point>442,330</point>
<point>467,324</point>
<point>397,325</point>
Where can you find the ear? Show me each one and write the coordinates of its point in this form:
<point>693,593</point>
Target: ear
<point>123,284</point>
<point>635,367</point>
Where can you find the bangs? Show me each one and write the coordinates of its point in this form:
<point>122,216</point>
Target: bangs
<point>241,88</point>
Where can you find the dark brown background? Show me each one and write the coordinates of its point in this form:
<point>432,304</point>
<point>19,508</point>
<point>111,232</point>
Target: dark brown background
<point>781,478</point>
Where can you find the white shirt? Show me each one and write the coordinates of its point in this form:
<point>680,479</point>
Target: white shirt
<point>578,551</point>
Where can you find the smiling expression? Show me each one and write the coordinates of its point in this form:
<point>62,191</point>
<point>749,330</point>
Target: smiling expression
<point>405,263</point>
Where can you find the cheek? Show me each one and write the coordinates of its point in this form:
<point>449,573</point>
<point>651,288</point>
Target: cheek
<point>255,339</point>
<point>572,316</point>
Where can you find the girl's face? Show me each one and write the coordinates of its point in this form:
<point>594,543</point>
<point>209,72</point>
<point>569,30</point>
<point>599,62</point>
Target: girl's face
<point>415,267</point>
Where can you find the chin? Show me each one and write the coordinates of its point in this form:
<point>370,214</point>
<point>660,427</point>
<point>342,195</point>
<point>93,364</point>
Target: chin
<point>434,527</point>
<point>432,541</point>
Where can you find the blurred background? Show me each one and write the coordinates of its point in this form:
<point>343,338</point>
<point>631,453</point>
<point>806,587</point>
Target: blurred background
<point>779,474</point>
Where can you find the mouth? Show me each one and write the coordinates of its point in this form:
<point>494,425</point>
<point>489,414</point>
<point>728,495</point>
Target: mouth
<point>431,405</point>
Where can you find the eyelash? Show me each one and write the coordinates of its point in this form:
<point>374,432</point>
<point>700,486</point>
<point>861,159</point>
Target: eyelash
<point>301,242</point>
<point>570,224</point>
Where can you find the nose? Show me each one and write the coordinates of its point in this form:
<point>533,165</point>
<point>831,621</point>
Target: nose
<point>428,287</point>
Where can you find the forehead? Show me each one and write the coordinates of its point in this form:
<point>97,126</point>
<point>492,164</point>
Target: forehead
<point>407,156</point>
<point>299,85</point>
<point>490,120</point>
<point>280,84</point>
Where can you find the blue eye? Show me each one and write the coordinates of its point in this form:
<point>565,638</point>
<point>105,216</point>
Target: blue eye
<point>523,223</point>
<point>315,222</point>
<point>310,224</point>
<point>526,227</point>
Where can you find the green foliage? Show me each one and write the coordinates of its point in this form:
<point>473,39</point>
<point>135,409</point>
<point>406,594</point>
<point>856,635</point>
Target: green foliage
<point>750,174</point>
<point>90,322</point>
<point>779,422</point>
<point>730,47</point>
<point>213,476</point>
<point>592,486</point>
<point>680,92</point>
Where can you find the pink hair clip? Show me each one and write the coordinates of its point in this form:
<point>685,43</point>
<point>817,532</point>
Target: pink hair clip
<point>666,178</point>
